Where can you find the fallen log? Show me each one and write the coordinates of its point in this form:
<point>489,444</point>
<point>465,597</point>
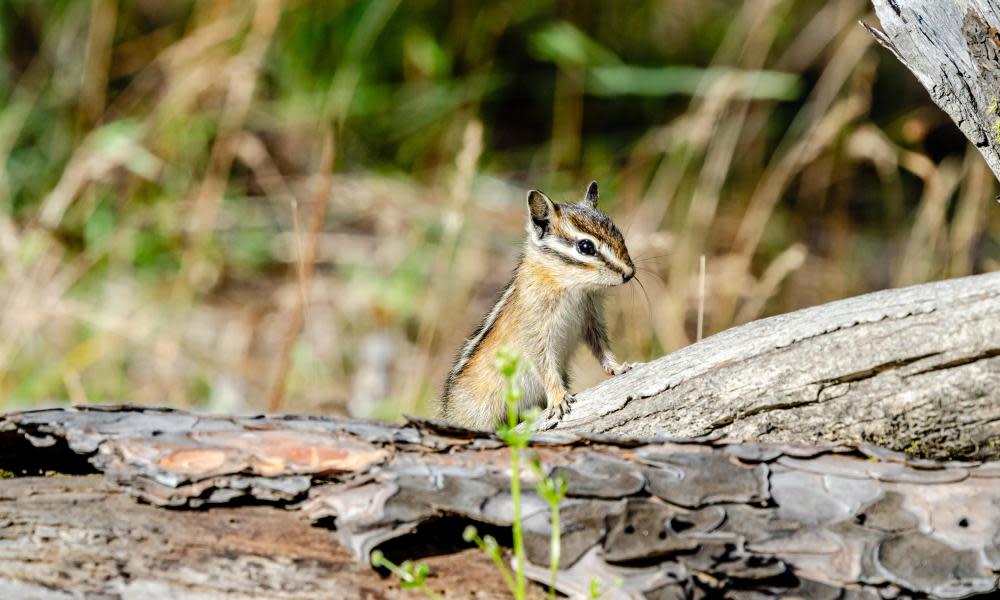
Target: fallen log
<point>915,369</point>
<point>272,506</point>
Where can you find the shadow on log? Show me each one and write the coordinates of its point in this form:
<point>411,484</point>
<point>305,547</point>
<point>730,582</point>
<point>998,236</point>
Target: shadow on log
<point>290,499</point>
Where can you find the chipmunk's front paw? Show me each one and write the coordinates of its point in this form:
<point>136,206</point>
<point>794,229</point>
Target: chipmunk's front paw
<point>561,409</point>
<point>614,368</point>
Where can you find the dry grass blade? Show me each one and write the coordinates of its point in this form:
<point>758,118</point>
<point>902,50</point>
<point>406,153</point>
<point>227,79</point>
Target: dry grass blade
<point>321,199</point>
<point>153,157</point>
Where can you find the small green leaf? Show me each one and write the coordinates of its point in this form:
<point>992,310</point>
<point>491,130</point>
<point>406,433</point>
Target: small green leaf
<point>507,362</point>
<point>424,52</point>
<point>631,80</point>
<point>595,588</point>
<point>563,43</point>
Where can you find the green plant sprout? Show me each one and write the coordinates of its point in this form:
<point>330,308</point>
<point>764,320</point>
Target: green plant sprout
<point>510,366</point>
<point>412,576</point>
<point>488,544</point>
<point>595,590</point>
<point>553,490</point>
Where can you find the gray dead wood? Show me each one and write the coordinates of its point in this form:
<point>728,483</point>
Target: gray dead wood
<point>83,537</point>
<point>952,47</point>
<point>291,507</point>
<point>915,369</point>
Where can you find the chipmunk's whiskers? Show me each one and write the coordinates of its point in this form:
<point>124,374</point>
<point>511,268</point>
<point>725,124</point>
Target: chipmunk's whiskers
<point>653,273</point>
<point>649,305</point>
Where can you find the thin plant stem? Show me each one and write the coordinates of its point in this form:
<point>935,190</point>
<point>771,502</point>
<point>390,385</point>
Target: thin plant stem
<point>701,296</point>
<point>276,395</point>
<point>490,547</point>
<point>509,364</point>
<point>515,493</point>
<point>412,575</point>
<point>555,549</point>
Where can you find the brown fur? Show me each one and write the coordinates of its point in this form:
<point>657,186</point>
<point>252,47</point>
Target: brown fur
<point>551,304</point>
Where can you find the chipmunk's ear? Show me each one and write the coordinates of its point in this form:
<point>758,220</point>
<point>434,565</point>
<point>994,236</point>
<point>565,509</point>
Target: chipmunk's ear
<point>541,210</point>
<point>590,199</point>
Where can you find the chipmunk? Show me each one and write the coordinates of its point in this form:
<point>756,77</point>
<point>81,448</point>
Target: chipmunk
<point>572,254</point>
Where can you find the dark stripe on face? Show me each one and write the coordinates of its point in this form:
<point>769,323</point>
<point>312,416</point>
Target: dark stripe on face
<point>596,224</point>
<point>562,257</point>
<point>599,227</point>
<point>609,264</point>
<point>571,245</point>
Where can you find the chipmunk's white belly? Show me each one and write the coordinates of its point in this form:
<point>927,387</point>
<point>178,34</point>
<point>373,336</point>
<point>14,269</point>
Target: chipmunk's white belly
<point>550,339</point>
<point>534,392</point>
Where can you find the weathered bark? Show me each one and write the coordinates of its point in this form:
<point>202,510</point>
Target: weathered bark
<point>916,368</point>
<point>953,48</point>
<point>81,536</point>
<point>286,495</point>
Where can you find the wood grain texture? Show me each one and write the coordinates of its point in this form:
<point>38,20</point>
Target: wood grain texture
<point>273,506</point>
<point>952,48</point>
<point>916,368</point>
<point>83,537</point>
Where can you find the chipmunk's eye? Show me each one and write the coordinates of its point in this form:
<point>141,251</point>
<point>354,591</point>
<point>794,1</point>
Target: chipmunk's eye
<point>586,247</point>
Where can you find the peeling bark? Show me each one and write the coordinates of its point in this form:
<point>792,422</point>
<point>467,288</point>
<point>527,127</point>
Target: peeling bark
<point>289,499</point>
<point>82,536</point>
<point>916,368</point>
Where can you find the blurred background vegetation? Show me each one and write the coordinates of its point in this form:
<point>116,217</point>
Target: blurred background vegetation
<point>306,206</point>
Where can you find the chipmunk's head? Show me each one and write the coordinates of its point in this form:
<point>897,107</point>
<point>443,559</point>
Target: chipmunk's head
<point>578,241</point>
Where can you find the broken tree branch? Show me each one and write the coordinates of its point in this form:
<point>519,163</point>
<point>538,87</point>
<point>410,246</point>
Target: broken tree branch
<point>953,48</point>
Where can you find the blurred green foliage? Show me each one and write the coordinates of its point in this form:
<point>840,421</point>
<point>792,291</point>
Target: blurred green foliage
<point>156,164</point>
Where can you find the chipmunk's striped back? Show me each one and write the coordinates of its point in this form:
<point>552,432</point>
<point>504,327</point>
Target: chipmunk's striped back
<point>485,327</point>
<point>572,253</point>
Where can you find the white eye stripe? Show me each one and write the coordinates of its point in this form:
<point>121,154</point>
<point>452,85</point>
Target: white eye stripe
<point>565,246</point>
<point>605,250</point>
<point>577,235</point>
<point>566,251</point>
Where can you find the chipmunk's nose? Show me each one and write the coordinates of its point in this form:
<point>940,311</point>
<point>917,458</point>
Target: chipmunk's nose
<point>627,276</point>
